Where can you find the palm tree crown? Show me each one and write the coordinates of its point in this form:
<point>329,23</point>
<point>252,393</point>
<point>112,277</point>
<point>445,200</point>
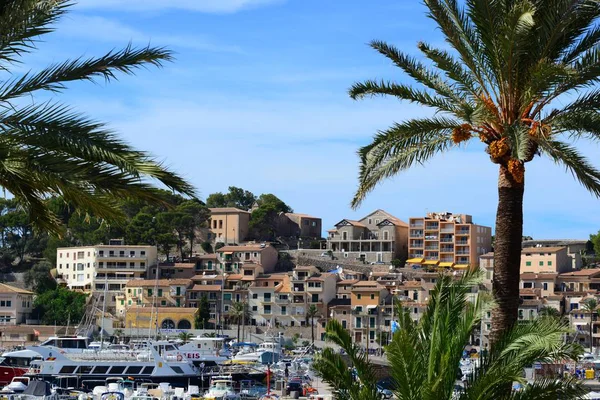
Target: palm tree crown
<point>46,148</point>
<point>424,356</point>
<point>510,60</point>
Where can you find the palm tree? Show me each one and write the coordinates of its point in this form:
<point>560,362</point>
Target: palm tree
<point>423,356</point>
<point>311,313</point>
<point>185,337</point>
<point>510,60</point>
<point>47,148</point>
<point>590,306</point>
<point>239,312</point>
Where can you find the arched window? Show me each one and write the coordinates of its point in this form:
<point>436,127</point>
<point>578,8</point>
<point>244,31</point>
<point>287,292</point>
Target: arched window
<point>167,324</point>
<point>184,324</point>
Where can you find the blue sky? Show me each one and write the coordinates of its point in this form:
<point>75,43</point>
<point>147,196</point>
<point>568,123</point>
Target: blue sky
<point>257,98</point>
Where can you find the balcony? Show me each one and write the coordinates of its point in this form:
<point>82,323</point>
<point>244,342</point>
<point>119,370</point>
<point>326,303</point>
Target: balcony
<point>267,301</point>
<point>282,301</point>
<point>416,225</point>
<point>416,255</point>
<point>122,257</point>
<point>446,240</point>
<point>462,232</point>
<point>416,235</point>
<point>462,243</point>
<point>122,268</point>
<point>432,247</point>
<point>447,230</point>
<point>431,237</point>
<point>447,250</point>
<point>463,253</point>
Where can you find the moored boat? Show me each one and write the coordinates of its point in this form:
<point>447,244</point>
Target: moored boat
<point>15,363</point>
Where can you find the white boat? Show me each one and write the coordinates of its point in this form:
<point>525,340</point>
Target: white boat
<point>69,344</point>
<point>17,385</point>
<point>207,351</point>
<point>221,388</point>
<point>38,390</point>
<point>267,352</point>
<point>161,362</point>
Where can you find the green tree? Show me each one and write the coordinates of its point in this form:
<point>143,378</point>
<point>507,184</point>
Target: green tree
<point>59,306</point>
<point>203,315</point>
<point>509,61</point>
<point>595,239</point>
<point>423,356</point>
<point>49,149</point>
<point>238,313</point>
<point>311,313</point>
<point>549,312</point>
<point>235,197</point>
<point>39,278</point>
<point>278,205</point>
<point>590,306</point>
<point>185,337</point>
<point>207,247</point>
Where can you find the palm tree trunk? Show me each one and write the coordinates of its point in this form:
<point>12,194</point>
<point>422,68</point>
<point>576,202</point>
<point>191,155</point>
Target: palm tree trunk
<point>507,254</point>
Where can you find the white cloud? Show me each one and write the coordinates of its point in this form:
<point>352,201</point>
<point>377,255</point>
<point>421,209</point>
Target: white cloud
<point>205,6</point>
<point>109,30</point>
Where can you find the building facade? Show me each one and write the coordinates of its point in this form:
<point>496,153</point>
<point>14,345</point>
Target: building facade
<point>377,238</point>
<point>232,259</point>
<point>16,305</point>
<point>545,259</point>
<point>447,240</point>
<point>228,225</point>
<point>299,225</point>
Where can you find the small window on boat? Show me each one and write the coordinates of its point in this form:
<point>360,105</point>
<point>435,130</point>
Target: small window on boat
<point>178,370</point>
<point>148,371</point>
<point>85,369</point>
<point>117,370</point>
<point>101,369</point>
<point>169,347</point>
<point>133,370</point>
<point>67,369</point>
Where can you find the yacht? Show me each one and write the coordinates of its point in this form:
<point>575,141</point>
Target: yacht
<point>221,388</point>
<point>160,362</point>
<point>69,344</point>
<point>267,352</point>
<point>15,363</point>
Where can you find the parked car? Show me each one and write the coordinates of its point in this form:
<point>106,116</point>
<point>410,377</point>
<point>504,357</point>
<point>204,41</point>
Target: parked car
<point>386,393</point>
<point>294,385</point>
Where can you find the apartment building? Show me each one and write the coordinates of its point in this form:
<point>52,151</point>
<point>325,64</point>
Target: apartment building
<point>378,237</point>
<point>228,225</point>
<point>174,270</point>
<point>210,286</point>
<point>575,248</point>
<point>232,259</point>
<point>144,320</point>
<point>447,240</point>
<point>153,292</point>
<point>367,302</point>
<point>104,267</point>
<point>16,305</point>
<point>544,282</point>
<point>545,259</point>
<point>270,301</point>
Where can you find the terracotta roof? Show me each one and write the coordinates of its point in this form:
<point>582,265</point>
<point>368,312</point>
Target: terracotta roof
<point>394,221</point>
<point>530,303</point>
<point>301,215</point>
<point>583,272</point>
<point>4,288</point>
<point>234,277</point>
<point>321,277</point>
<point>251,266</point>
<point>207,277</point>
<point>487,255</point>
<point>542,249</point>
<point>212,256</point>
<point>529,291</point>
<point>267,277</point>
<point>353,223</point>
<point>222,210</point>
<point>247,247</point>
<point>412,284</point>
<point>347,282</point>
<point>159,282</point>
<point>554,297</point>
<point>284,287</point>
<point>206,288</point>
<point>366,283</point>
<point>304,268</point>
<point>181,265</point>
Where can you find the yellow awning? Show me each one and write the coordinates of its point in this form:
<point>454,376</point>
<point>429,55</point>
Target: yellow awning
<point>414,260</point>
<point>461,266</point>
<point>446,264</point>
<point>431,262</point>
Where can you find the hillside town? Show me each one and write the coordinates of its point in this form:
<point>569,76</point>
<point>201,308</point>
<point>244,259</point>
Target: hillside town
<point>358,275</point>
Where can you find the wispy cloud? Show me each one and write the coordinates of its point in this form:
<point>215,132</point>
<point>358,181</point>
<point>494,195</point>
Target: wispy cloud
<point>205,6</point>
<point>109,30</point>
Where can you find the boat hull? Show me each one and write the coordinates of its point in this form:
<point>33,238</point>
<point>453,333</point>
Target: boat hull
<point>8,373</point>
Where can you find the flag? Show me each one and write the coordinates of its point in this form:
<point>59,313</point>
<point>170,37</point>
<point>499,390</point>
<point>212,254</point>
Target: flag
<point>395,326</point>
<point>36,332</point>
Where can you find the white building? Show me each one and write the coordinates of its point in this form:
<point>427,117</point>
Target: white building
<point>90,268</point>
<point>16,305</point>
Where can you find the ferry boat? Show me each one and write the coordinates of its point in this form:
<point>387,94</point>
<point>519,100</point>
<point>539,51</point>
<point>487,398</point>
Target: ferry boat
<point>15,363</point>
<point>160,362</point>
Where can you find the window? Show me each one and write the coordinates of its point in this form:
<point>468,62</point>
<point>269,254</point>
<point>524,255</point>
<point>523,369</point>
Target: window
<point>67,369</point>
<point>163,303</point>
<point>358,296</point>
<point>117,370</point>
<point>226,296</point>
<point>255,295</point>
<point>344,324</point>
<point>545,285</point>
<point>267,297</point>
<point>220,224</point>
<point>541,263</point>
<point>160,292</point>
<point>386,235</point>
<point>131,264</point>
<point>101,369</point>
<point>149,292</point>
<point>142,264</point>
<point>370,221</point>
<point>372,297</point>
<point>528,263</point>
<point>527,285</point>
<point>344,235</point>
<point>549,263</point>
<point>143,252</point>
<point>134,370</point>
<point>267,309</point>
<point>254,308</point>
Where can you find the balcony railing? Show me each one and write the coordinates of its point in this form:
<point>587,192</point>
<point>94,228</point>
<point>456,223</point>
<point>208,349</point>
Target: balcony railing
<point>442,240</point>
<point>128,256</point>
<point>416,225</point>
<point>447,250</point>
<point>282,301</point>
<point>462,242</point>
<point>462,252</point>
<point>432,247</point>
<point>462,232</point>
<point>447,230</point>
